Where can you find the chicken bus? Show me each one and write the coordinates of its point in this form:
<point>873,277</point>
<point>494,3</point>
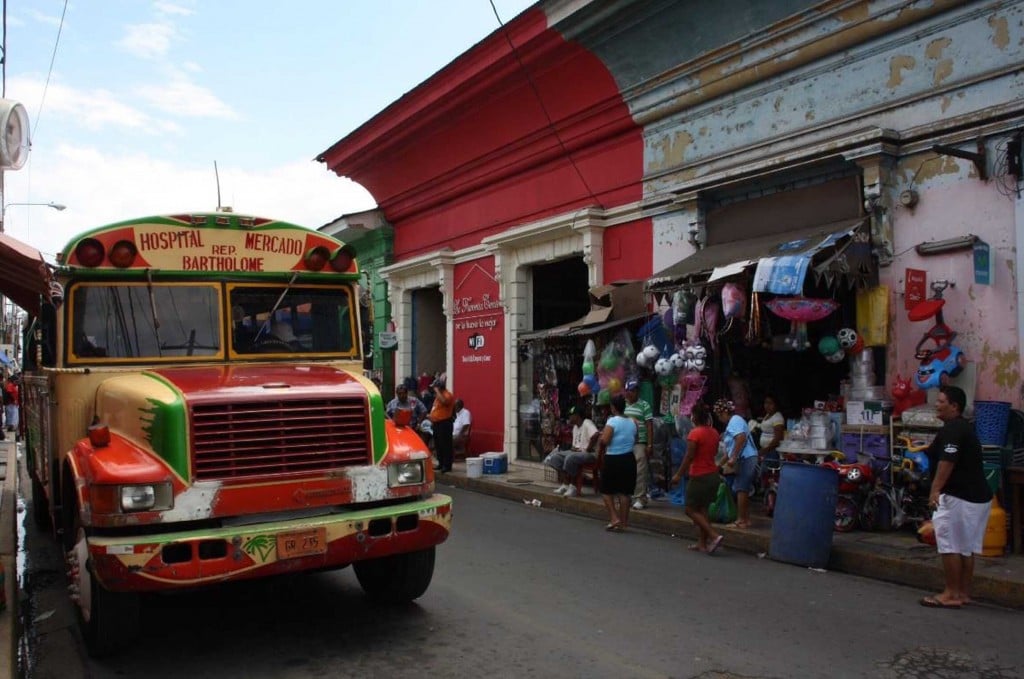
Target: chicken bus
<point>195,413</point>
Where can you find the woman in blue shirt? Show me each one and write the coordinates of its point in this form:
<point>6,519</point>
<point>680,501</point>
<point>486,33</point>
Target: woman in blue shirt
<point>618,465</point>
<point>741,453</point>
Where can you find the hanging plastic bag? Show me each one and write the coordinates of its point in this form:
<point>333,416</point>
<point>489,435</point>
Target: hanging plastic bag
<point>723,509</point>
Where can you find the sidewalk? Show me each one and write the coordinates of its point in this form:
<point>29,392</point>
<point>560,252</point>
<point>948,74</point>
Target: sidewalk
<point>891,556</point>
<point>8,555</point>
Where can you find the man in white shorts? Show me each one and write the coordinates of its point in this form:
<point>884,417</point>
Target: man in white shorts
<point>960,498</point>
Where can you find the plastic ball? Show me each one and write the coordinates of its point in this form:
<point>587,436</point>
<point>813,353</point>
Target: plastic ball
<point>651,352</point>
<point>592,382</point>
<point>700,352</point>
<point>641,360</point>
<point>828,345</point>
<point>699,364</point>
<point>677,361</point>
<point>614,385</point>
<point>857,347</point>
<point>836,357</point>
<point>604,397</point>
<point>584,389</point>
<point>847,337</point>
<point>663,366</point>
<point>610,362</point>
<point>588,367</point>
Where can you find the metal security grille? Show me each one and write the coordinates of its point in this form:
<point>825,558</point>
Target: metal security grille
<point>270,438</point>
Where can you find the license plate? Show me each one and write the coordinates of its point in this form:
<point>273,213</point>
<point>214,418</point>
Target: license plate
<point>302,543</point>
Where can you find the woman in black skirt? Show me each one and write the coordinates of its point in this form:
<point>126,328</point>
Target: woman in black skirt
<point>618,465</point>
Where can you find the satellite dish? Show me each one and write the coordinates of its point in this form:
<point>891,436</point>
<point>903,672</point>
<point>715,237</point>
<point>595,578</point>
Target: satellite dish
<point>14,135</point>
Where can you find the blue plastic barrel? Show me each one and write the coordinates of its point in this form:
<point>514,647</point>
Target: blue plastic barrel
<point>805,511</point>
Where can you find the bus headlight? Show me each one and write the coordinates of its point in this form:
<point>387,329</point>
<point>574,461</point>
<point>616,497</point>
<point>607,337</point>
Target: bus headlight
<point>145,497</point>
<point>405,473</point>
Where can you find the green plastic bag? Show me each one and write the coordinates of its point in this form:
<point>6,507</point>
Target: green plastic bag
<point>723,509</point>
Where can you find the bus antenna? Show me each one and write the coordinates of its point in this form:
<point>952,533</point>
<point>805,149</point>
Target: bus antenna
<point>216,174</point>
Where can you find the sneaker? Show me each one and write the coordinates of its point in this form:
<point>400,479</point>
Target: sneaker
<point>639,505</point>
<point>571,492</point>
<point>561,489</point>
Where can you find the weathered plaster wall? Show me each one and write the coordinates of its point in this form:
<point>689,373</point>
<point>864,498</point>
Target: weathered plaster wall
<point>954,202</point>
<point>960,65</point>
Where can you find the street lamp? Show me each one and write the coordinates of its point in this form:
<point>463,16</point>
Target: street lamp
<point>3,213</point>
<point>55,206</point>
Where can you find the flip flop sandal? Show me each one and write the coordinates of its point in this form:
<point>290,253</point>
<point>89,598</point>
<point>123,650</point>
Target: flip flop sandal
<point>716,544</point>
<point>933,602</point>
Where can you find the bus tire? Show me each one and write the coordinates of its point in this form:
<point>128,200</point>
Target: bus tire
<point>40,506</point>
<point>109,621</point>
<point>398,578</point>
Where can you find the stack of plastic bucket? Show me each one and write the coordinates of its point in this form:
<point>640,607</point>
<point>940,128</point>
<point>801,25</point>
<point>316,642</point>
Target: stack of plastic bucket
<point>991,419</point>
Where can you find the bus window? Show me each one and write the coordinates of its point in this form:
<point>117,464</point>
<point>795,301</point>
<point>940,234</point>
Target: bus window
<point>306,319</point>
<point>142,322</point>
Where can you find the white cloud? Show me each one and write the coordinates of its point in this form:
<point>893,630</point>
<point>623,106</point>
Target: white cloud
<point>183,97</point>
<point>101,188</point>
<point>50,19</point>
<point>92,110</point>
<point>171,8</point>
<point>148,41</point>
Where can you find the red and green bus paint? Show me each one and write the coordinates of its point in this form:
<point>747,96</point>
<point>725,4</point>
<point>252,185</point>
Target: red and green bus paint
<point>196,414</point>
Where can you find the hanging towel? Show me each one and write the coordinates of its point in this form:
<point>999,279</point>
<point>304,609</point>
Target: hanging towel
<point>782,275</point>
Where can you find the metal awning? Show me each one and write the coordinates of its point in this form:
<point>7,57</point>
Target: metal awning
<point>575,329</point>
<point>24,276</point>
<point>727,259</point>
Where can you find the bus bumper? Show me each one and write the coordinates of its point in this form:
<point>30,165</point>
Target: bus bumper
<point>188,559</point>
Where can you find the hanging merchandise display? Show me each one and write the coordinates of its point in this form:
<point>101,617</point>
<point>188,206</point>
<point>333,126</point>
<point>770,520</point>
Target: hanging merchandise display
<point>683,303</point>
<point>873,316</point>
<point>757,330</point>
<point>800,311</point>
<point>940,358</point>
<point>734,301</point>
<point>616,357</point>
<point>706,322</point>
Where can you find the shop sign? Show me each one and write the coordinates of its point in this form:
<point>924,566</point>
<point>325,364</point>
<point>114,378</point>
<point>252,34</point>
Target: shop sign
<point>916,287</point>
<point>984,271</point>
<point>865,412</point>
<point>387,340</point>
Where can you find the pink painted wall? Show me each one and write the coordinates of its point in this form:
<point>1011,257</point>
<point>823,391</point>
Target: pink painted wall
<point>954,203</point>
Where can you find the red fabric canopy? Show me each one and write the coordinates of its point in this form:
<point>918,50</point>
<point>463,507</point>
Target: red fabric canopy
<point>24,276</point>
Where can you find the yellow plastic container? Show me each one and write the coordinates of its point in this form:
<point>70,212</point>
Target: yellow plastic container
<point>994,543</point>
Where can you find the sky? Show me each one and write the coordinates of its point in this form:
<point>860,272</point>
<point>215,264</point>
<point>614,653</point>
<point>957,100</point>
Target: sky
<point>144,96</point>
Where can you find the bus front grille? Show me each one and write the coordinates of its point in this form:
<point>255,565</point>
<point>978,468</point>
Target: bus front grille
<point>274,438</point>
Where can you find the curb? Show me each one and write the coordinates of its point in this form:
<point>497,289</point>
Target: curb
<point>9,629</point>
<point>850,559</point>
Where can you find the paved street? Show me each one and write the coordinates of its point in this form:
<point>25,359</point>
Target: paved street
<point>525,591</point>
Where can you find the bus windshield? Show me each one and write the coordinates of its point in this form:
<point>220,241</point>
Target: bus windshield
<point>175,321</point>
<point>139,321</point>
<point>292,318</point>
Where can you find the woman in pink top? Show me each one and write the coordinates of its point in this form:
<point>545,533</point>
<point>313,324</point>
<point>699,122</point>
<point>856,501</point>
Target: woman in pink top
<point>699,465</point>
